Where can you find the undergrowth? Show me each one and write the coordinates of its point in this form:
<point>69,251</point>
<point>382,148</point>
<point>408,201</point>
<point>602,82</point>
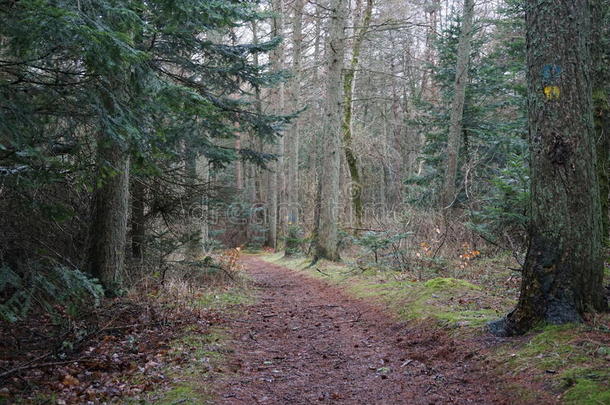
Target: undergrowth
<point>159,344</point>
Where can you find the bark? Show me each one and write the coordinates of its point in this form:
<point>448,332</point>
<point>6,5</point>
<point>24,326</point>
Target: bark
<point>602,126</point>
<point>355,189</point>
<point>601,104</point>
<point>138,226</point>
<point>110,207</point>
<point>563,271</point>
<point>457,104</point>
<point>326,243</point>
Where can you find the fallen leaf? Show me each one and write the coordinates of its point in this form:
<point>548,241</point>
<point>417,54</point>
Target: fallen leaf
<point>70,381</point>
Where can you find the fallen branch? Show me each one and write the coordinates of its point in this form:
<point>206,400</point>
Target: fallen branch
<point>320,271</point>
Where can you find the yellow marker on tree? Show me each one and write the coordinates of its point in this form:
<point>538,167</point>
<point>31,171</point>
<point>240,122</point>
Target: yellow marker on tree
<point>552,92</point>
<point>551,76</point>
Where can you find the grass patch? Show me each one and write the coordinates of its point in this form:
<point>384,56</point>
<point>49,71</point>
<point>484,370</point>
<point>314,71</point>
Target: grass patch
<point>585,391</point>
<point>183,394</point>
<point>224,299</point>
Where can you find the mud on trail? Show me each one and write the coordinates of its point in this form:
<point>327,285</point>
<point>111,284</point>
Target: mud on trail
<point>307,342</point>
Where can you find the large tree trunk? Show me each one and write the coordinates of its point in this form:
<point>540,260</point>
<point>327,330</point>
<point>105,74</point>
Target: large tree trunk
<point>326,243</point>
<point>110,207</point>
<point>355,189</point>
<point>601,103</point>
<point>562,275</point>
<point>457,104</point>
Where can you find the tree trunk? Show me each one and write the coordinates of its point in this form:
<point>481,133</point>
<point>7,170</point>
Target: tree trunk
<point>276,60</point>
<point>110,207</point>
<point>292,144</point>
<point>326,243</point>
<point>355,189</point>
<point>239,167</point>
<point>457,105</point>
<point>601,104</point>
<point>563,271</point>
<point>193,249</point>
<point>427,87</point>
<point>138,226</point>
<point>203,173</point>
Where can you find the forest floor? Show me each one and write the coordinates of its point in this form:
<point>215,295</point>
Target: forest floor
<point>281,332</point>
<point>306,341</point>
<point>328,333</point>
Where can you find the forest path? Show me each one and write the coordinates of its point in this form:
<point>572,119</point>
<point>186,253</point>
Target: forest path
<point>307,342</point>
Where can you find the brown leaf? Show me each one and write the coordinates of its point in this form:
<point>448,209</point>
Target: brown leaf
<point>70,381</point>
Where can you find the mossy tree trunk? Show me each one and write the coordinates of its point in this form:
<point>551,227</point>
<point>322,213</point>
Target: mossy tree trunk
<point>348,93</point>
<point>562,275</point>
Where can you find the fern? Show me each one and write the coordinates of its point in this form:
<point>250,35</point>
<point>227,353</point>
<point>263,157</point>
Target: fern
<point>44,288</point>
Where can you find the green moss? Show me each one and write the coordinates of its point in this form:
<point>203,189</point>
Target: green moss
<point>468,317</point>
<point>183,394</point>
<point>432,299</point>
<point>558,356</point>
<point>210,345</point>
<point>587,392</point>
<point>444,283</point>
<point>549,348</point>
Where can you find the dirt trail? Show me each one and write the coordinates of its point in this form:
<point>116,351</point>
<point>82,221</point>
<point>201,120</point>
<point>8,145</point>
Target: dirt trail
<point>306,342</point>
